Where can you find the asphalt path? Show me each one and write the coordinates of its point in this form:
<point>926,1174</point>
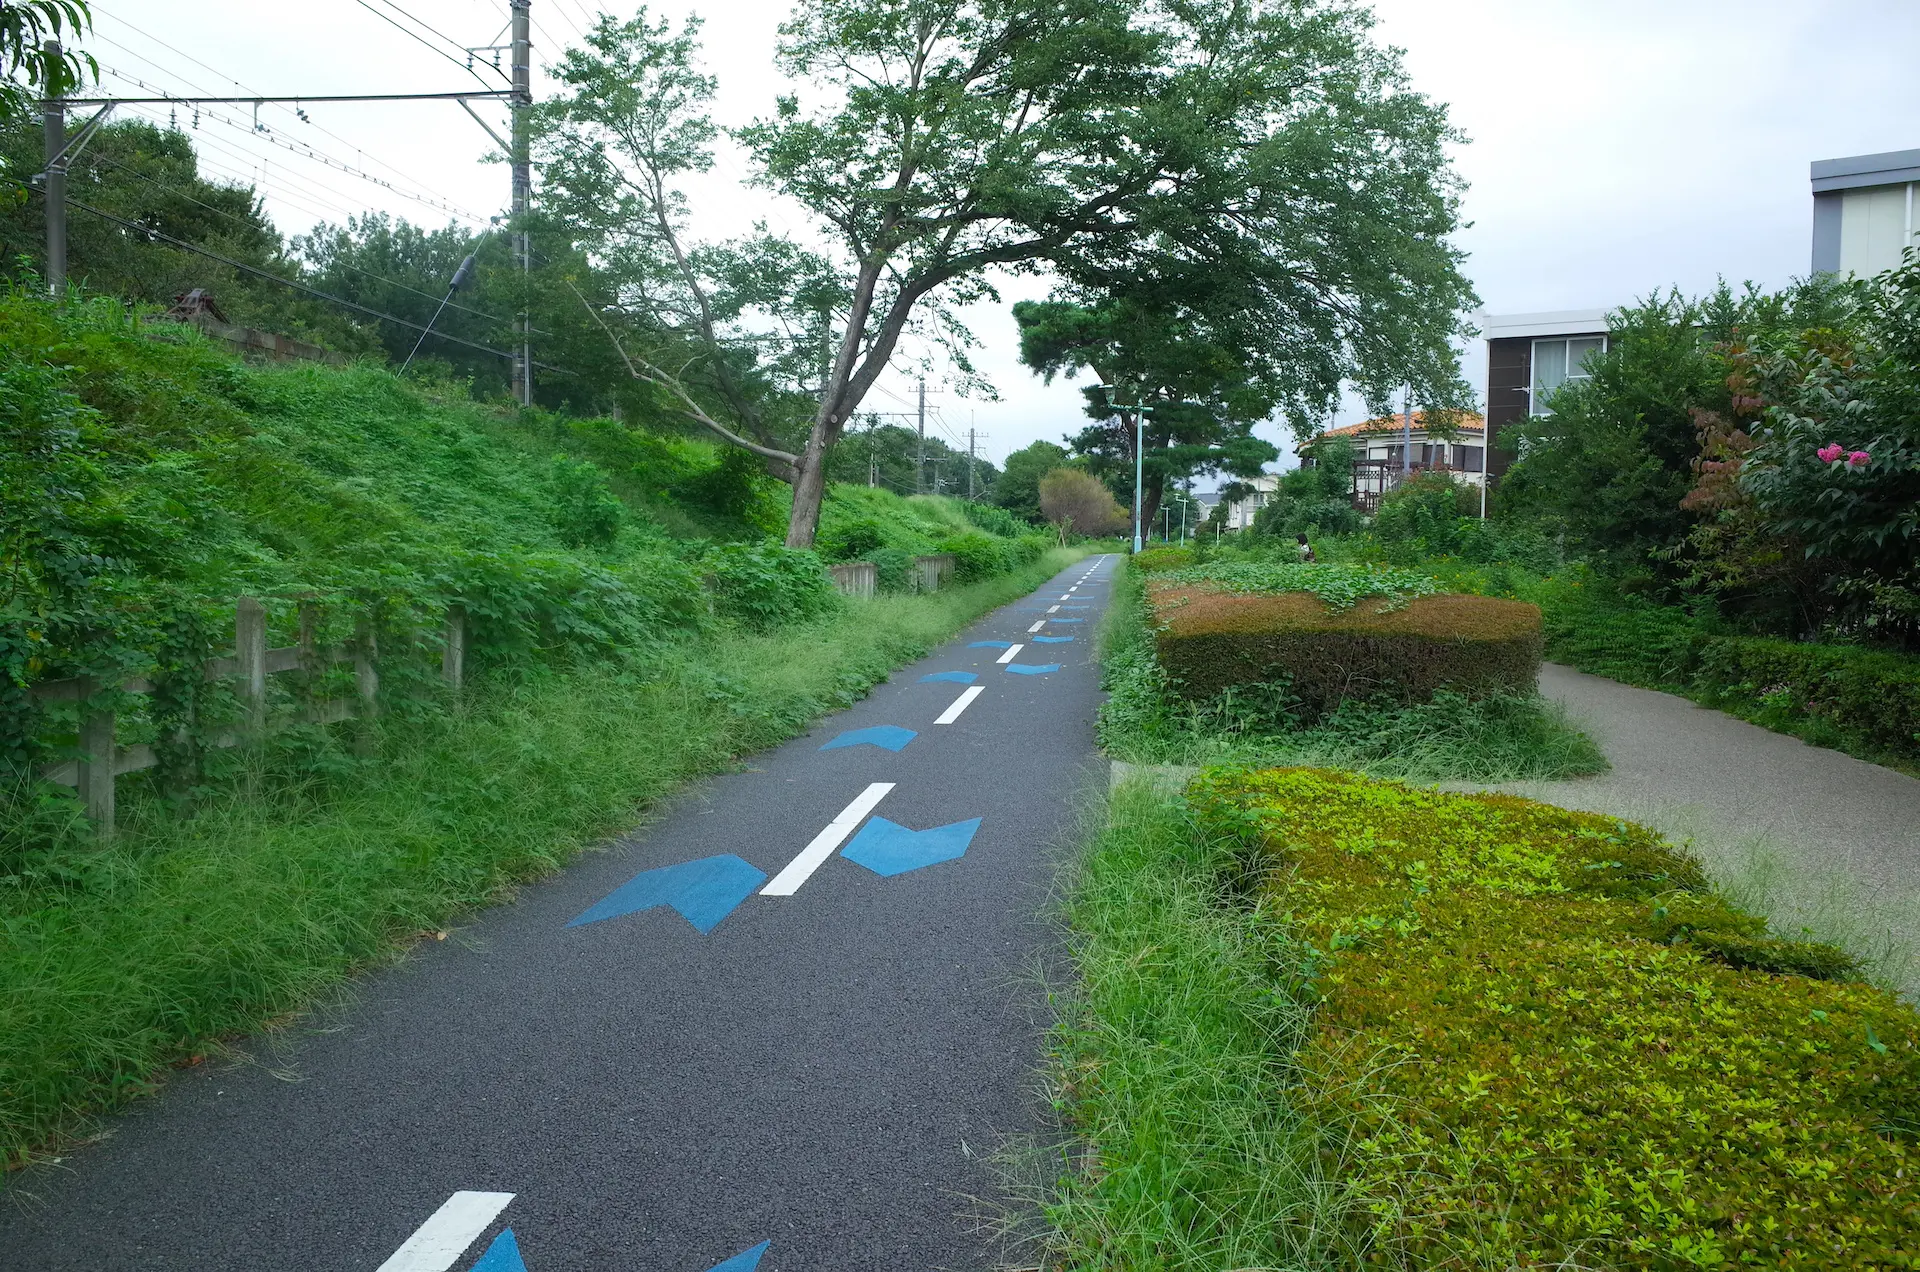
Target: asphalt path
<point>811,1085</point>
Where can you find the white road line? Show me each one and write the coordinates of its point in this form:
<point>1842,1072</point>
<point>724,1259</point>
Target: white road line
<point>1011,651</point>
<point>1050,609</point>
<point>960,704</point>
<point>1066,596</point>
<point>801,868</point>
<point>436,1244</point>
<point>1037,626</point>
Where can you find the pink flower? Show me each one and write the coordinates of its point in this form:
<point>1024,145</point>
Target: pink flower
<point>1858,459</point>
<point>1830,453</point>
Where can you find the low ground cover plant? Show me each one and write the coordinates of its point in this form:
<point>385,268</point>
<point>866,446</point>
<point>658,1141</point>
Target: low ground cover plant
<point>1546,1043</point>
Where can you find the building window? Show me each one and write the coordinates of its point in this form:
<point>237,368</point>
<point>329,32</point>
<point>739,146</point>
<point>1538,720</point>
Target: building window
<point>1876,225</point>
<point>1557,362</point>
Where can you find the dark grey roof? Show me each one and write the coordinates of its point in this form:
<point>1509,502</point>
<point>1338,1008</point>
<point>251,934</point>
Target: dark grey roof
<point>1855,171</point>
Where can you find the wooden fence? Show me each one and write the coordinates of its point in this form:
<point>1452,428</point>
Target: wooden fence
<point>102,758</point>
<point>931,573</point>
<point>862,578</point>
<point>857,578</point>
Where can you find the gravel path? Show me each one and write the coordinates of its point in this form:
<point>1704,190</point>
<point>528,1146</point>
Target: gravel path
<point>1811,836</point>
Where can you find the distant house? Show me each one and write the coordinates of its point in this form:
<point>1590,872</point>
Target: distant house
<point>1528,357</point>
<point>1863,215</point>
<point>1381,458</point>
<point>1240,511</point>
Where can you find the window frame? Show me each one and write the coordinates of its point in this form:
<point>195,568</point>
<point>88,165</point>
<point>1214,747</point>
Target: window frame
<point>1535,409</point>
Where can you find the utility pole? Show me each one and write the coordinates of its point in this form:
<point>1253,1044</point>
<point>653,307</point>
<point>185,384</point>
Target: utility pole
<point>1406,433</point>
<point>969,462</point>
<point>522,192</point>
<point>920,463</point>
<point>56,187</point>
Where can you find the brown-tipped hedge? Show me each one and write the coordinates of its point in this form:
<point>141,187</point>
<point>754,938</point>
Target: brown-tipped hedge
<point>1211,640</point>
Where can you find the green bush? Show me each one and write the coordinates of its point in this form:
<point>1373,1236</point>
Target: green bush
<point>1549,1045</point>
<point>976,556</point>
<point>1154,560</point>
<point>1861,700</point>
<point>586,514</point>
<point>765,585</point>
<point>1210,641</point>
<point>854,540</point>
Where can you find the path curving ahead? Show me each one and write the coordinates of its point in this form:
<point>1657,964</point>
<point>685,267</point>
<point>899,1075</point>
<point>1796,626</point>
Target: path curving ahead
<point>1827,839</point>
<point>775,1031</point>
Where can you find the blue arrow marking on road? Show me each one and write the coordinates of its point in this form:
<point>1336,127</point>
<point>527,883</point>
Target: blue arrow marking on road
<point>990,644</point>
<point>502,1256</point>
<point>949,677</point>
<point>890,736</point>
<point>704,891</point>
<point>745,1261</point>
<point>1068,620</point>
<point>1032,669</point>
<point>889,849</point>
<point>1051,640</point>
<point>1076,607</point>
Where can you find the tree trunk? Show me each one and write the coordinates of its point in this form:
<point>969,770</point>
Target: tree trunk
<point>1150,497</point>
<point>809,490</point>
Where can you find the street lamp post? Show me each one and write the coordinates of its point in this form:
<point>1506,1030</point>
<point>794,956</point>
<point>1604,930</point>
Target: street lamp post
<point>1140,412</point>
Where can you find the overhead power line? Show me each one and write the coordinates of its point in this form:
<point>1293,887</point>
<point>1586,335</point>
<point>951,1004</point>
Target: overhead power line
<point>287,282</point>
<point>239,221</point>
<point>320,128</point>
<point>304,149</point>
<point>423,41</point>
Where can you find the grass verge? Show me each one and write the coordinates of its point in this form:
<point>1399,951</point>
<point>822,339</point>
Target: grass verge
<point>1172,1069</point>
<point>1501,737</point>
<point>194,929</point>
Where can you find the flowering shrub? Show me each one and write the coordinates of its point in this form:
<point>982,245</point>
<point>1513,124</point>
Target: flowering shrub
<point>1550,1045</point>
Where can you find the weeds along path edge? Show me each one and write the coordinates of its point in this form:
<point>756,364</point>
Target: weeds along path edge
<point>198,929</point>
<point>1183,1147</point>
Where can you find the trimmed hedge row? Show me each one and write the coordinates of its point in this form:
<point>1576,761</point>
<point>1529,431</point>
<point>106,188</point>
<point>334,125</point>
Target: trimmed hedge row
<point>1544,1043</point>
<point>1210,640</point>
<point>1861,700</point>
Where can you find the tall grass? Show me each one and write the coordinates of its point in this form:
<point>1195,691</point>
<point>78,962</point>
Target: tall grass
<point>1451,738</point>
<point>1171,1060</point>
<point>190,930</point>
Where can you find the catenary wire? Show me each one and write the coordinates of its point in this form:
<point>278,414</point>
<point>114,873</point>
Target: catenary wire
<point>228,216</point>
<point>285,282</point>
<point>245,87</point>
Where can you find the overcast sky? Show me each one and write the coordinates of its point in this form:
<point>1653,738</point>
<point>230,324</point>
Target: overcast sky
<point>1613,149</point>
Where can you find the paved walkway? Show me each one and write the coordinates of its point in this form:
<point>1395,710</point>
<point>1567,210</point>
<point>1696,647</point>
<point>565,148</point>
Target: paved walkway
<point>1815,837</point>
<point>776,1032</point>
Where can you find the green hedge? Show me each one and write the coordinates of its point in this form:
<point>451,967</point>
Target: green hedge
<point>1542,1042</point>
<point>1210,641</point>
<point>1860,700</point>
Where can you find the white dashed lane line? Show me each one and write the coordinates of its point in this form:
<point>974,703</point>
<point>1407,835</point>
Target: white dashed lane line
<point>960,704</point>
<point>801,868</point>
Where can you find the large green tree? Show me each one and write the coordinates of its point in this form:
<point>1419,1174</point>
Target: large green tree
<point>1018,488</point>
<point>1159,376</point>
<point>937,141</point>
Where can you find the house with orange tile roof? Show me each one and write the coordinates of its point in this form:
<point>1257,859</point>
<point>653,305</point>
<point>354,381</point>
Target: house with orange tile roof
<point>1386,450</point>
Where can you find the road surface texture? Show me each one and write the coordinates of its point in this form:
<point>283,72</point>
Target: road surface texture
<point>1812,836</point>
<point>627,1071</point>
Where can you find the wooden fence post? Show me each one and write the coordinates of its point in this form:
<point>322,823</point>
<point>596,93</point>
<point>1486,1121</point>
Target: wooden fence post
<point>366,681</point>
<point>453,658</point>
<point>97,759</point>
<point>250,653</point>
